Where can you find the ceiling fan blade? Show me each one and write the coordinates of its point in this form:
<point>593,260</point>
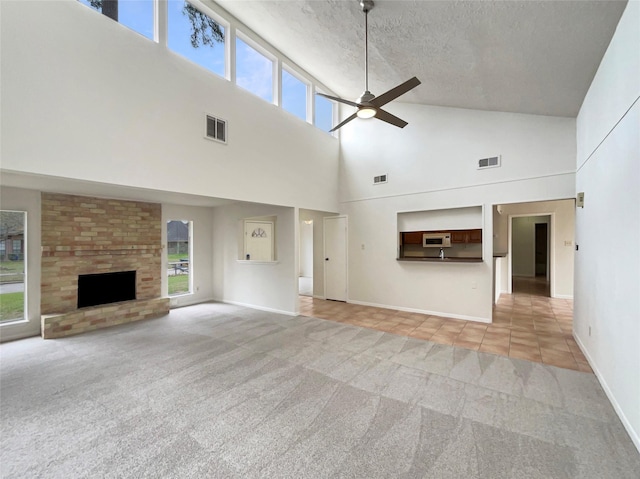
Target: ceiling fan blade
<point>395,92</point>
<point>335,98</point>
<point>389,118</point>
<point>339,125</point>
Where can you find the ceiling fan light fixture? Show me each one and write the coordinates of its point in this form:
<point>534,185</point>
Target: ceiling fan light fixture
<point>366,112</point>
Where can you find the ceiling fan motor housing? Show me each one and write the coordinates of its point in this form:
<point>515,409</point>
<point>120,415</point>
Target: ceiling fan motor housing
<point>366,5</point>
<point>365,98</point>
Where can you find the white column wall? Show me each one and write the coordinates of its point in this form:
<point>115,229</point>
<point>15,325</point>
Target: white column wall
<point>607,304</point>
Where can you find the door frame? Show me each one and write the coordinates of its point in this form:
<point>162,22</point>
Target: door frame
<point>551,251</point>
<point>346,253</point>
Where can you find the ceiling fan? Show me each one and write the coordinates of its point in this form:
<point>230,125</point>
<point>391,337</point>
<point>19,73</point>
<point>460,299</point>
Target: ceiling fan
<point>369,105</point>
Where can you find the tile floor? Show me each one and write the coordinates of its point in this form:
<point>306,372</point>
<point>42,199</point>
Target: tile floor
<point>526,325</point>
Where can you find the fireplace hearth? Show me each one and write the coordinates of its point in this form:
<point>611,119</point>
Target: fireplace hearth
<point>105,288</point>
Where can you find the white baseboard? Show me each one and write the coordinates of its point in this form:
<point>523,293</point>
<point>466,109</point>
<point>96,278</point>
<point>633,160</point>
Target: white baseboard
<point>180,301</point>
<point>423,311</point>
<point>317,296</point>
<point>635,437</point>
<point>563,296</point>
<point>260,308</point>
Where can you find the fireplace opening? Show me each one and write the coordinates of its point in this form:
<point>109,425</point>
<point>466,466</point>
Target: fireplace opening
<point>104,288</point>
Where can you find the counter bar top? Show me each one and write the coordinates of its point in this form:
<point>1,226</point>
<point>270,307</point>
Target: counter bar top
<point>439,260</point>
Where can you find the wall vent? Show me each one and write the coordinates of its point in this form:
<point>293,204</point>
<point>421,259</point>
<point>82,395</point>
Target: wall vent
<point>492,162</point>
<point>216,129</point>
<point>379,179</point>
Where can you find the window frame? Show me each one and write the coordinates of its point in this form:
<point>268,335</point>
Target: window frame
<point>334,110</point>
<point>309,88</point>
<point>206,10</point>
<point>275,65</point>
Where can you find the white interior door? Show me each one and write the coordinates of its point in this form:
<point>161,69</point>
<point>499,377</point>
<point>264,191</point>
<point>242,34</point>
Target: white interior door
<point>335,258</point>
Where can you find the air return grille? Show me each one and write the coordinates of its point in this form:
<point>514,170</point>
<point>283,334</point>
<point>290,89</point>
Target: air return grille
<point>216,129</point>
<point>492,162</point>
<point>379,179</point>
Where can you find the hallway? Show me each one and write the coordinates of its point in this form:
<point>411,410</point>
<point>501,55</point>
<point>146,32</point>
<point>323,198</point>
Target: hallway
<point>526,325</point>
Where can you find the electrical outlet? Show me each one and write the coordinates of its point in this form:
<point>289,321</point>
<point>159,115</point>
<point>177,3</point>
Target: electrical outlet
<point>474,285</point>
<point>362,246</point>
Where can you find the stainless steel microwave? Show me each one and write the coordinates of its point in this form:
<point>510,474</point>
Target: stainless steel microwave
<point>436,240</point>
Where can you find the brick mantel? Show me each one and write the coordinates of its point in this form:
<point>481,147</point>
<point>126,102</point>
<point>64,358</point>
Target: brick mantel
<point>86,235</point>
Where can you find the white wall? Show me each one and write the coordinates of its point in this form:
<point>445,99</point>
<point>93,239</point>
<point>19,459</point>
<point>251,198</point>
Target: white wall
<point>201,267</point>
<point>607,304</point>
<point>432,165</point>
<point>18,199</point>
<point>522,248</point>
<point>84,97</point>
<point>306,249</point>
<point>272,286</point>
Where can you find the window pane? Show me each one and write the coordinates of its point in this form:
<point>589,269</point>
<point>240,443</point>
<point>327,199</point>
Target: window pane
<point>12,272</point>
<point>254,71</point>
<point>196,36</point>
<point>324,113</point>
<point>178,256</point>
<point>294,95</point>
<point>135,14</point>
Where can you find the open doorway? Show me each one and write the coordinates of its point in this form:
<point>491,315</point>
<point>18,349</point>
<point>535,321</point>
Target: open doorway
<point>530,254</point>
<point>305,274</point>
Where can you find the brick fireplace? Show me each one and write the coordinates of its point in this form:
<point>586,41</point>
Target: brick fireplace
<point>85,236</point>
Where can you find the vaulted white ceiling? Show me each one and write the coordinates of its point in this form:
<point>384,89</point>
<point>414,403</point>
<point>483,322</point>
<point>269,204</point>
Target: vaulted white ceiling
<point>536,57</point>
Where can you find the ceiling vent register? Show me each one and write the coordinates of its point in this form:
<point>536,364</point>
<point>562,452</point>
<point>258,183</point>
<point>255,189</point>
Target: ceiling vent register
<point>216,129</point>
<point>492,162</point>
<point>379,179</point>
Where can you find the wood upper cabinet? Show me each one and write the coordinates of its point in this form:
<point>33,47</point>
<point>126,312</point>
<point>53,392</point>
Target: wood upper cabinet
<point>475,236</point>
<point>459,236</point>
<point>466,236</point>
<point>413,237</point>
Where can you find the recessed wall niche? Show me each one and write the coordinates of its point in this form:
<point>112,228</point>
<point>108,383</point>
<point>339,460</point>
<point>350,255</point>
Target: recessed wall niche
<point>258,239</point>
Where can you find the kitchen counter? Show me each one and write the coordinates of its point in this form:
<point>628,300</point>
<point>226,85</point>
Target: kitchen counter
<point>441,260</point>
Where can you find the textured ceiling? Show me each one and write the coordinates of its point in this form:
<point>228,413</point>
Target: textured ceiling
<point>535,57</point>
